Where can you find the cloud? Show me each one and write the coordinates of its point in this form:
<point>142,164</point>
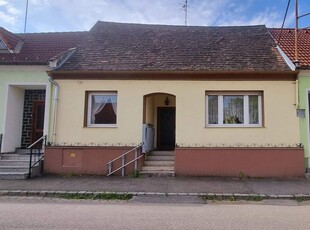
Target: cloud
<point>68,15</point>
<point>240,16</point>
<point>5,18</point>
<point>269,17</point>
<point>9,15</point>
<point>3,3</point>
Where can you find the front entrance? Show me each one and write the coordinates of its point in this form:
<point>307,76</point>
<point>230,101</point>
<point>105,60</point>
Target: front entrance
<point>33,117</point>
<point>37,120</point>
<point>165,128</point>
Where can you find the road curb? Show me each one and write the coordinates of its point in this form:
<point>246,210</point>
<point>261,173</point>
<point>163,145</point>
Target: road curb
<point>208,196</point>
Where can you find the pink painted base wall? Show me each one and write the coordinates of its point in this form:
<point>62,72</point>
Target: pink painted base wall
<point>85,160</point>
<point>236,162</point>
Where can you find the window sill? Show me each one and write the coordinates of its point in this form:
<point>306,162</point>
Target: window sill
<point>101,126</point>
<point>234,126</point>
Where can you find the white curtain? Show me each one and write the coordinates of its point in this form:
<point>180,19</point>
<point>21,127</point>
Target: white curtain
<point>99,102</point>
<point>253,110</point>
<point>233,110</point>
<point>114,104</point>
<point>212,109</point>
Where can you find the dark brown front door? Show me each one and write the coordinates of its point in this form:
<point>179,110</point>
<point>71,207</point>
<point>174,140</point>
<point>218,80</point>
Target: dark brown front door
<point>165,128</point>
<point>37,120</point>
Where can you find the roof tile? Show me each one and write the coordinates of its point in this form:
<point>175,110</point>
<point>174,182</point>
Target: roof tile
<point>38,48</point>
<point>286,41</point>
<point>138,47</point>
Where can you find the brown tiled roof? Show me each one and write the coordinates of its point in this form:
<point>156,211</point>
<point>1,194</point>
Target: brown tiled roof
<point>138,47</point>
<point>38,48</point>
<point>9,38</point>
<point>287,44</point>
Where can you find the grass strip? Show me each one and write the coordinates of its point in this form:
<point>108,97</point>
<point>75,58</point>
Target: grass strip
<point>96,196</point>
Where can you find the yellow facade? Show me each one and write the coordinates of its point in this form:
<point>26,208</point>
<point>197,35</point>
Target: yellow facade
<point>280,121</point>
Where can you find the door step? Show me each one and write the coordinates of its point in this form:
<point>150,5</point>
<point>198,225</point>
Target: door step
<point>157,173</point>
<point>13,175</point>
<point>16,166</point>
<point>159,164</point>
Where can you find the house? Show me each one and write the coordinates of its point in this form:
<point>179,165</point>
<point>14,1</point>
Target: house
<point>221,100</point>
<point>24,83</point>
<point>286,41</point>
<point>24,86</point>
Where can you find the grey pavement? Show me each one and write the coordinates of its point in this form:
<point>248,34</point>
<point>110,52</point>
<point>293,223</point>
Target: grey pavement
<point>163,185</point>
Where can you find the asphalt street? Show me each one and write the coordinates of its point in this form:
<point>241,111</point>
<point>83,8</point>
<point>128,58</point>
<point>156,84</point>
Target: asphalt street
<point>47,213</point>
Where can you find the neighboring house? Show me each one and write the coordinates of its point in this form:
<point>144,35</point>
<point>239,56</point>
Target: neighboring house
<point>286,41</point>
<point>24,86</point>
<point>222,98</point>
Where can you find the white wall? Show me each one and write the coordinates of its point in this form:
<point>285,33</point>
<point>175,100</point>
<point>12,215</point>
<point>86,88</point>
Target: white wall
<point>13,118</point>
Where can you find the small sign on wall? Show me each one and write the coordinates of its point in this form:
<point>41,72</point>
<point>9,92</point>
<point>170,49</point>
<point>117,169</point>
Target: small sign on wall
<point>72,158</point>
<point>301,113</point>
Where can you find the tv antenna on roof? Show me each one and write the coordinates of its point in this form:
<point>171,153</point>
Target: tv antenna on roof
<point>26,15</point>
<point>185,7</point>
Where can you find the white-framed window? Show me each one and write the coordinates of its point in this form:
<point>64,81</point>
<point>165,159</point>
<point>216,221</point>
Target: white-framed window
<point>101,109</point>
<point>234,109</point>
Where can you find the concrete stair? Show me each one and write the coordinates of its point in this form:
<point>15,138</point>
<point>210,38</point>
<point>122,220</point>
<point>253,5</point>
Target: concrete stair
<point>15,166</point>
<point>159,163</point>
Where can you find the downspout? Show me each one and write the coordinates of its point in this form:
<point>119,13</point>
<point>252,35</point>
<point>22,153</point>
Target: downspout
<point>293,67</point>
<point>55,105</point>
<point>297,91</point>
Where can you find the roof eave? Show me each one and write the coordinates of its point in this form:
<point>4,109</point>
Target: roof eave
<point>175,75</point>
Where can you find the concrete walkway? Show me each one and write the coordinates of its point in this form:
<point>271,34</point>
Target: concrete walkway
<point>160,185</point>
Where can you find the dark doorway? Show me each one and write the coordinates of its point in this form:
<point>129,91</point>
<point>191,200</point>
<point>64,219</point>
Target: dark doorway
<point>31,97</point>
<point>165,128</point>
<point>37,121</point>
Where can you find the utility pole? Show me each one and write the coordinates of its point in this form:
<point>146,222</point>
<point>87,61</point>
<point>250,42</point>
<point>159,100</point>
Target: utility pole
<point>296,32</point>
<point>297,17</point>
<point>26,15</point>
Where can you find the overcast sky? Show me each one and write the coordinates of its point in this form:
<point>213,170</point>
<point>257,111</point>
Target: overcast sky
<point>79,15</point>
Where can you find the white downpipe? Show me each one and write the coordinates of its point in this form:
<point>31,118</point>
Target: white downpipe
<point>297,93</point>
<point>55,105</point>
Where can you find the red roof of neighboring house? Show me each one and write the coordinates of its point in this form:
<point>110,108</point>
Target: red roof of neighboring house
<point>287,44</point>
<point>10,39</point>
<point>38,48</point>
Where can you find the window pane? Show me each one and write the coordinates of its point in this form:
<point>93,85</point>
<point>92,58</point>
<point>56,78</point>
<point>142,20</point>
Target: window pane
<point>212,109</point>
<point>253,109</point>
<point>2,46</point>
<point>103,109</point>
<point>233,110</point>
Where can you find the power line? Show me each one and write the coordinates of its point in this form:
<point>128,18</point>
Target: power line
<point>287,7</point>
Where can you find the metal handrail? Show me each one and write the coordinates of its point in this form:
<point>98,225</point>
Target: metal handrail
<point>124,154</point>
<point>1,136</point>
<point>43,138</point>
<point>110,172</point>
<point>37,141</point>
<point>125,165</point>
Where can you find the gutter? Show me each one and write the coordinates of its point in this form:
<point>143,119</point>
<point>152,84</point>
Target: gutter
<point>55,105</point>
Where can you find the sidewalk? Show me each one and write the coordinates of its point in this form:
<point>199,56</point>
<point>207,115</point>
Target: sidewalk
<point>167,185</point>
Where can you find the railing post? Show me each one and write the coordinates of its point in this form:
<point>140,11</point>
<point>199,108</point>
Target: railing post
<point>136,161</point>
<point>44,142</point>
<point>123,163</point>
<point>0,142</point>
<point>30,163</point>
<point>109,167</point>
